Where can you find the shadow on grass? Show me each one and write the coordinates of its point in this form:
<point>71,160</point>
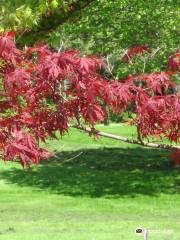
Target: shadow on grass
<point>109,172</point>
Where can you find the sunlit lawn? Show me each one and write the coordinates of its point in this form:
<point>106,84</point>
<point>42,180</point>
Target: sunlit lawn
<point>92,190</point>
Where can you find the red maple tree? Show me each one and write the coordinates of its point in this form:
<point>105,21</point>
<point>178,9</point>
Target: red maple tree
<point>43,91</point>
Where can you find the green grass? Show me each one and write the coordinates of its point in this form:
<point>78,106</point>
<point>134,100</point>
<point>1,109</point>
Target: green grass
<point>104,193</point>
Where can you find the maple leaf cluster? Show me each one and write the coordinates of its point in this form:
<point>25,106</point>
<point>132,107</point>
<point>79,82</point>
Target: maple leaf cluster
<point>134,51</point>
<point>43,91</point>
<point>174,62</point>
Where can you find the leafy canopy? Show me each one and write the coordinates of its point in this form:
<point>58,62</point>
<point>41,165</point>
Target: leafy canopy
<point>43,91</point>
<point>26,14</point>
<point>110,27</point>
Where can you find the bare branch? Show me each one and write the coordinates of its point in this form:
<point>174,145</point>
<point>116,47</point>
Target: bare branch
<point>124,139</point>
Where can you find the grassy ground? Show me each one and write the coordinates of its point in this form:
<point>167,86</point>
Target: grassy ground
<point>103,193</point>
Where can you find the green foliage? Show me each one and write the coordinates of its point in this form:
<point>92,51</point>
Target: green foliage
<point>26,14</point>
<point>105,27</point>
<point>108,25</point>
<point>108,28</point>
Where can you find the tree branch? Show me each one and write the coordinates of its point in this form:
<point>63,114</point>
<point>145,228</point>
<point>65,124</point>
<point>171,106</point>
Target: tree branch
<point>49,23</point>
<point>124,139</point>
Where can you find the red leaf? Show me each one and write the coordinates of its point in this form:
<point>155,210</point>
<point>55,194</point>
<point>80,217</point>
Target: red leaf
<point>133,52</point>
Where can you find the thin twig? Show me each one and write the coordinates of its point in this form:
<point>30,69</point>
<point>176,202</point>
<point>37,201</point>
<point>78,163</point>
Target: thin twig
<point>70,159</point>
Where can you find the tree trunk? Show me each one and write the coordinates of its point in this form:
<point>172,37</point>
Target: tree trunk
<point>106,111</point>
